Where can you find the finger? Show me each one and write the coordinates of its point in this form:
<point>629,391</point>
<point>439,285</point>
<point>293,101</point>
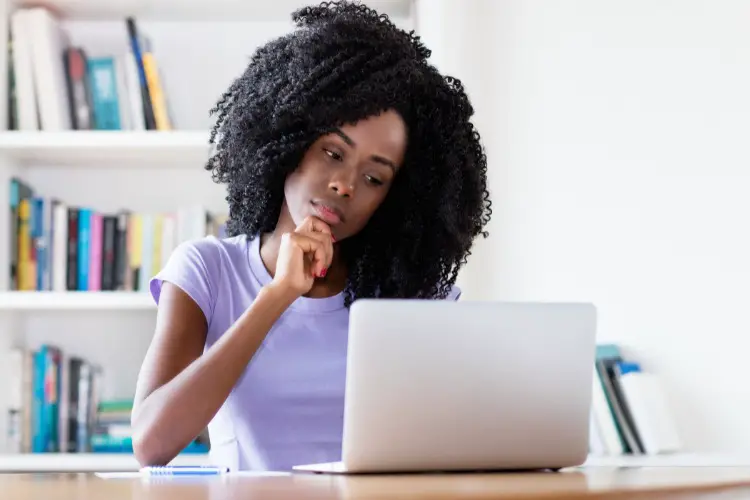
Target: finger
<point>321,267</point>
<point>312,247</point>
<point>327,242</point>
<point>313,224</point>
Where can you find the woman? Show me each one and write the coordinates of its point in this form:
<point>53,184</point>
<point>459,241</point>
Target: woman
<point>352,171</point>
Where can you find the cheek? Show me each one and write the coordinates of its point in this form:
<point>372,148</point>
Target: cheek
<point>291,186</point>
<point>295,192</point>
<point>307,174</point>
<point>298,181</point>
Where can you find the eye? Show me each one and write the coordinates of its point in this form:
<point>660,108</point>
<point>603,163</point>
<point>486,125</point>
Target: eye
<point>373,180</point>
<point>333,154</point>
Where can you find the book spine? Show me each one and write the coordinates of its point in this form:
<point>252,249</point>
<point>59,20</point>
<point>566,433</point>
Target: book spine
<point>63,402</point>
<point>60,247</point>
<point>27,110</point>
<point>37,237</point>
<point>122,264</point>
<point>28,400</point>
<point>95,252</point>
<point>135,251</point>
<point>72,253</point>
<point>49,238</point>
<point>25,264</point>
<point>13,228</point>
<point>84,240</point>
<point>52,403</point>
<point>104,93</point>
<point>148,111</point>
<point>109,229</point>
<point>79,92</point>
<point>15,400</point>
<point>158,101</point>
<point>49,41</point>
<point>74,376</point>
<point>39,438</point>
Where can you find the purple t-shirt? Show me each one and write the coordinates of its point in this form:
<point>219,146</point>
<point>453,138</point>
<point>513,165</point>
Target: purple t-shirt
<point>287,408</point>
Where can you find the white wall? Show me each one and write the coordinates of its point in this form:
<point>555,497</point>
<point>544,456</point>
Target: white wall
<point>620,169</point>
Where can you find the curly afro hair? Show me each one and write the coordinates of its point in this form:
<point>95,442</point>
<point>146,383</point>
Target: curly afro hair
<point>345,62</point>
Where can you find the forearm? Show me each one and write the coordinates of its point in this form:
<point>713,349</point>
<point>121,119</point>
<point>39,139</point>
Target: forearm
<point>175,413</point>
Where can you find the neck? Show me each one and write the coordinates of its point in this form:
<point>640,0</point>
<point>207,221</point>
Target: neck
<point>335,278</point>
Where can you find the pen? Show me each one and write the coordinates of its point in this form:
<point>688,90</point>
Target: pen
<point>184,470</point>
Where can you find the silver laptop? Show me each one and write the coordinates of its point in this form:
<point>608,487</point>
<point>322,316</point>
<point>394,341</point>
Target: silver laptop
<point>466,386</point>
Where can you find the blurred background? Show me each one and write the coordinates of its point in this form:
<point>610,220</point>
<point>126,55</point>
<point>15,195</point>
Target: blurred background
<point>614,131</point>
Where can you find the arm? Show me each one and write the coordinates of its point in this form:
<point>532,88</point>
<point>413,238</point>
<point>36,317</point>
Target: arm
<point>179,390</point>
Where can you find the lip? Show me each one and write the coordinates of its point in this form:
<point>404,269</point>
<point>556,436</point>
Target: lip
<point>329,213</point>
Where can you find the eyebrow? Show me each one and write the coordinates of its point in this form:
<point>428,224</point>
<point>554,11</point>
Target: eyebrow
<point>376,158</point>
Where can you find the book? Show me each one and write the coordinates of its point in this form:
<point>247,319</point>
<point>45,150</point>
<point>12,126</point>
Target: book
<point>55,85</point>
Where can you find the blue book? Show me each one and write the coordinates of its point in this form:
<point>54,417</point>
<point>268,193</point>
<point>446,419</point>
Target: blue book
<point>39,412</point>
<point>38,229</point>
<point>103,84</point>
<point>84,242</point>
<point>52,388</point>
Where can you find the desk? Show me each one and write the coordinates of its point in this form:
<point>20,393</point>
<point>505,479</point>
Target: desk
<point>589,483</point>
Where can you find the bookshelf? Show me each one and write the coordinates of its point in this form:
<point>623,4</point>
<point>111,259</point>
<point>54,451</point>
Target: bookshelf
<point>192,10</point>
<point>75,301</point>
<point>99,149</point>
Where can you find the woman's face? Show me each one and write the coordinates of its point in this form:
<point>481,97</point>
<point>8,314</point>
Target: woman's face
<point>344,176</point>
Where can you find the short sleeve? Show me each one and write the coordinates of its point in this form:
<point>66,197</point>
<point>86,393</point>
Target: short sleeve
<point>195,267</point>
<point>454,294</point>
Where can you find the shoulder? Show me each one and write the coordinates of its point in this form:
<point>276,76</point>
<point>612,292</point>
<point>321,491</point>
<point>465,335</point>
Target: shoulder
<point>206,256</point>
<point>209,251</point>
<point>197,266</point>
<point>454,294</point>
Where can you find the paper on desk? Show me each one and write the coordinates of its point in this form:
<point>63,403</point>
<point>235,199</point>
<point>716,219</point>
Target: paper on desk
<point>244,473</point>
<point>259,473</point>
<point>116,475</point>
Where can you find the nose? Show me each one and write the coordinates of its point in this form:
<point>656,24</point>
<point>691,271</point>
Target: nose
<point>342,184</point>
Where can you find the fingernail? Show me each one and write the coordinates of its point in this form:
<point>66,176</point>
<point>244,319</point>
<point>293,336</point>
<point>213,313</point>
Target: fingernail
<point>323,273</point>
<point>333,238</point>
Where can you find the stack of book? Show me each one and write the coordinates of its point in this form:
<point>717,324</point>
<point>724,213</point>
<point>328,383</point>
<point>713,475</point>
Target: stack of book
<point>113,432</point>
<point>56,246</point>
<point>630,414</point>
<point>53,400</point>
<point>56,86</point>
<point>56,406</point>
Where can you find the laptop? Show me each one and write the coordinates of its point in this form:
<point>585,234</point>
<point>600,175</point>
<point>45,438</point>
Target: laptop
<point>466,386</point>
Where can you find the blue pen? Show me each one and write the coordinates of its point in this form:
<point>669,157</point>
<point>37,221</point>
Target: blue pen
<point>184,470</point>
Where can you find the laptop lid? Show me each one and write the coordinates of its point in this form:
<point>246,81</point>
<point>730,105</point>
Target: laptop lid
<point>442,385</point>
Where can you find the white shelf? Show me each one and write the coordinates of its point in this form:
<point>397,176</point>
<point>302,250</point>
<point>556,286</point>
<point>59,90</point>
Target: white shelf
<point>39,301</point>
<point>84,462</point>
<point>198,10</point>
<point>102,148</point>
